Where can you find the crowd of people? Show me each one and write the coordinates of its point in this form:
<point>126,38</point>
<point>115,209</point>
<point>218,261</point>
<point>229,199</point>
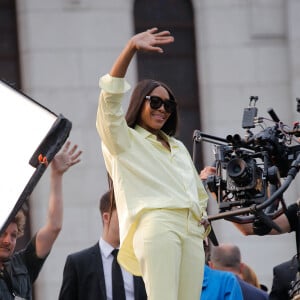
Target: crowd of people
<point>154,237</point>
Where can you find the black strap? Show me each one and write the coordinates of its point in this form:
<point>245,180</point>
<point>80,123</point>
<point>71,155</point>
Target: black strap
<point>5,276</point>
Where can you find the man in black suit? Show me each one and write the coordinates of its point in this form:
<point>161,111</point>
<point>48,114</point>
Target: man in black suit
<point>87,274</point>
<point>227,257</point>
<point>283,275</point>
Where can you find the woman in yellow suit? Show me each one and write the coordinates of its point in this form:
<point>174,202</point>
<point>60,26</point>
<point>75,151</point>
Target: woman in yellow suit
<point>160,199</point>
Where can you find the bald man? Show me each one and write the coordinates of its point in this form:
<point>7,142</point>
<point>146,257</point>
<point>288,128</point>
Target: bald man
<point>227,257</point>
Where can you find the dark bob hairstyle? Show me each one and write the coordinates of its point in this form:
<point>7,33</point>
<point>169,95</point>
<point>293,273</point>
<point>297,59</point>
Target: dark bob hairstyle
<point>143,89</point>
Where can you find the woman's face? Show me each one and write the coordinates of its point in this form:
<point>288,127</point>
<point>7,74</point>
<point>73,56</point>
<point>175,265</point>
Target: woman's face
<point>154,119</point>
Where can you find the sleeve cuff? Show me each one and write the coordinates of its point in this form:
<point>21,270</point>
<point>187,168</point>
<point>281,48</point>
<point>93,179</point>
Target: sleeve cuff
<point>113,85</point>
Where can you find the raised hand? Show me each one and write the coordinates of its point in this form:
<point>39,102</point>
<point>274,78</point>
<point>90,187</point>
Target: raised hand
<point>150,40</point>
<point>147,41</point>
<point>66,158</point>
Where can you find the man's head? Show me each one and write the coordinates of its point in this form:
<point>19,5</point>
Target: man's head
<point>9,237</point>
<point>226,257</point>
<point>110,219</point>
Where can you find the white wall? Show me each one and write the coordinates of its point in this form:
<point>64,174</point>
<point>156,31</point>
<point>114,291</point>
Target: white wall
<point>244,48</point>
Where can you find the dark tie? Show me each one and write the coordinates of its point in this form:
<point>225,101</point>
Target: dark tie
<point>118,290</point>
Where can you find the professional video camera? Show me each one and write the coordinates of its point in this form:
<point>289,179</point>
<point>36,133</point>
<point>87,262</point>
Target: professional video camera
<point>249,170</point>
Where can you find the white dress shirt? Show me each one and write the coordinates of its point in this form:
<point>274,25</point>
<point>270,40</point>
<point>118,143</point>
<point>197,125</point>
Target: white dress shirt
<point>107,258</point>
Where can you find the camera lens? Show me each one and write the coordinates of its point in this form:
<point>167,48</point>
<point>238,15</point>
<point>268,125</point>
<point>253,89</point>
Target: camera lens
<point>239,171</point>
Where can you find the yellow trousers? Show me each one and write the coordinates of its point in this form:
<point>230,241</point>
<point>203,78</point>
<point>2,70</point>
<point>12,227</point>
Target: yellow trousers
<point>169,247</point>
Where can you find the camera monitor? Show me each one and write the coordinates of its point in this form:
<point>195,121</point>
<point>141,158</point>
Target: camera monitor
<point>31,135</point>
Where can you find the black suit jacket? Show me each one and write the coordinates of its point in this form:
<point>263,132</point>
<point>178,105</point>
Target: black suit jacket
<point>283,275</point>
<point>250,292</point>
<point>83,277</point>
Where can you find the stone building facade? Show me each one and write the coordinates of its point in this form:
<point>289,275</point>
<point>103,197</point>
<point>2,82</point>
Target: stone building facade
<point>243,48</point>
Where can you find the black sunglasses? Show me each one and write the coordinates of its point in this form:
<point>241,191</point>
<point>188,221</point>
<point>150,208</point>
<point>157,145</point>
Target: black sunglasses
<point>156,102</point>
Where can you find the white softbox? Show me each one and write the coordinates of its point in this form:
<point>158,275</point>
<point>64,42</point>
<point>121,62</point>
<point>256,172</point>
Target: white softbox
<point>30,135</point>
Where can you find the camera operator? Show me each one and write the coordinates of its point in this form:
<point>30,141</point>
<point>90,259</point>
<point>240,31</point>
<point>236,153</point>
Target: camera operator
<point>288,221</point>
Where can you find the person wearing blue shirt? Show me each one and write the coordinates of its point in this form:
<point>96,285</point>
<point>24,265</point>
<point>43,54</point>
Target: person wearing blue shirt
<point>220,285</point>
<point>227,257</point>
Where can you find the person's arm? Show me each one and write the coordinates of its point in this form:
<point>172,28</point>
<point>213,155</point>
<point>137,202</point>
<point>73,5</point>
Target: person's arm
<point>48,233</point>
<point>110,122</point>
<point>287,221</point>
<point>282,221</point>
<point>147,41</point>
